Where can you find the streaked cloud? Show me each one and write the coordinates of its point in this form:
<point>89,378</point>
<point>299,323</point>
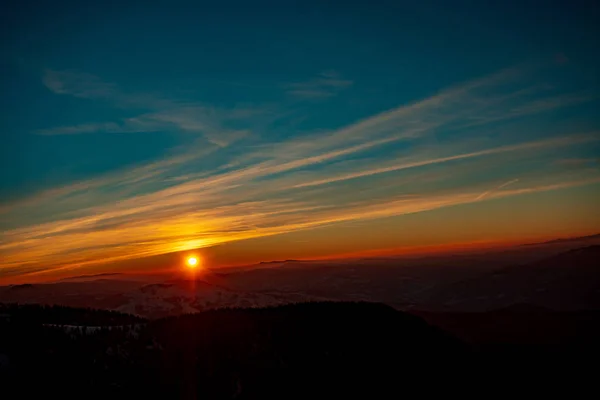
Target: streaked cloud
<point>79,84</point>
<point>326,84</point>
<point>164,114</point>
<point>488,192</point>
<point>564,141</point>
<point>405,160</point>
<point>579,162</point>
<point>109,127</point>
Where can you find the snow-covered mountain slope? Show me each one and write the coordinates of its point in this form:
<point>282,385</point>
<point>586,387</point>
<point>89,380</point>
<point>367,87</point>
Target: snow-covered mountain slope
<point>178,297</point>
<point>148,300</point>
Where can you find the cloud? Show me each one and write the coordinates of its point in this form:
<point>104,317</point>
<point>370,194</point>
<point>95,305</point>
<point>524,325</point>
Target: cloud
<point>109,127</point>
<point>578,162</point>
<point>326,84</point>
<point>412,155</point>
<point>213,123</point>
<point>78,84</point>
<point>224,224</point>
<point>554,142</point>
<point>162,114</point>
<point>487,192</point>
<point>194,120</point>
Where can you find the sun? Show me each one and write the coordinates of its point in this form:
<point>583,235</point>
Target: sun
<point>192,262</point>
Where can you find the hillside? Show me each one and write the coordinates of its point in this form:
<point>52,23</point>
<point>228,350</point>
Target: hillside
<point>325,350</point>
<point>290,351</point>
<point>149,300</point>
<point>567,281</point>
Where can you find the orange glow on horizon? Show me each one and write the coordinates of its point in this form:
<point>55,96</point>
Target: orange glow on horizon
<point>195,264</point>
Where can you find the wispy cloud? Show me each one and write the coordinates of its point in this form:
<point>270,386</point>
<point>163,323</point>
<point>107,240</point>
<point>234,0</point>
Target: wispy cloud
<point>579,162</point>
<point>326,84</point>
<point>412,156</point>
<point>78,84</point>
<point>162,114</point>
<point>556,142</point>
<point>488,192</point>
<point>108,127</point>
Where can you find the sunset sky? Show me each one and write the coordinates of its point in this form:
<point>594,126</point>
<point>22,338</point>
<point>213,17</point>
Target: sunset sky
<point>291,129</point>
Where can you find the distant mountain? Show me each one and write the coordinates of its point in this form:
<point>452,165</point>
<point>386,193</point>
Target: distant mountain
<point>172,297</point>
<point>278,262</point>
<point>567,281</point>
<point>567,240</point>
<point>402,283</point>
<point>94,276</point>
<point>191,296</point>
<point>35,314</point>
<point>23,286</point>
<point>498,255</point>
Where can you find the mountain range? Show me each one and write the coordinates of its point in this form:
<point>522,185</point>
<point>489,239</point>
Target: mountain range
<point>568,280</point>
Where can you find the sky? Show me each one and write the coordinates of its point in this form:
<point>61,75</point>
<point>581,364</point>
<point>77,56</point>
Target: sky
<point>253,131</point>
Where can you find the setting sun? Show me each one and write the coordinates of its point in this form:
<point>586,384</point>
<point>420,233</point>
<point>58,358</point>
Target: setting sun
<point>192,262</point>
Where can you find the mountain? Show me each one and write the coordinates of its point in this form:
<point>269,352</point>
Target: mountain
<point>335,350</point>
<point>429,282</point>
<point>395,282</point>
<point>476,282</point>
<point>92,276</point>
<point>577,240</point>
<point>191,296</point>
<point>101,293</point>
<point>151,300</point>
<point>522,325</point>
<point>567,281</point>
<point>36,314</point>
<point>325,350</point>
<point>371,280</point>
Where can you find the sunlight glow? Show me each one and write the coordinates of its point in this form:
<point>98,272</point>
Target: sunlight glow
<point>192,262</point>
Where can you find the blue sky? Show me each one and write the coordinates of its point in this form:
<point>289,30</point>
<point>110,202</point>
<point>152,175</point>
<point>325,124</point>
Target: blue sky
<point>213,123</point>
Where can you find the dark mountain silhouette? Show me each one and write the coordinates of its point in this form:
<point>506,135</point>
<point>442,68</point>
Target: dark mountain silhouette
<point>523,325</point>
<point>154,300</point>
<point>297,350</point>
<point>309,350</point>
<point>35,314</point>
<point>522,308</point>
<point>279,262</point>
<point>93,276</point>
<point>326,349</point>
<point>567,281</point>
<point>566,240</point>
<point>20,287</point>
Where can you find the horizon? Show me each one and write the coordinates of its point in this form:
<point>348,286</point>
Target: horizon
<point>135,137</point>
<point>422,253</point>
